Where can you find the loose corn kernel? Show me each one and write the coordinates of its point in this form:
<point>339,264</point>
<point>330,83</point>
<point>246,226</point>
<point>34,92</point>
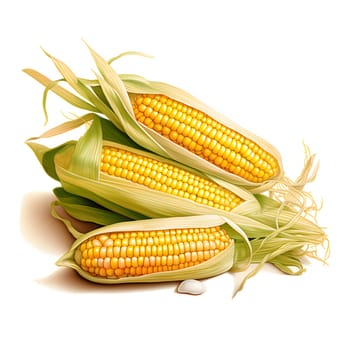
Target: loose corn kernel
<point>204,136</point>
<point>182,252</point>
<point>167,178</point>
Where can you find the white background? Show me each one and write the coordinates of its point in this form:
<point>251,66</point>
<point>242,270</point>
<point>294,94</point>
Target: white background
<point>278,68</point>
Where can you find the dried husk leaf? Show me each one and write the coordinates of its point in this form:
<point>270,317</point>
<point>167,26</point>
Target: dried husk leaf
<point>91,101</point>
<point>215,266</point>
<point>60,91</point>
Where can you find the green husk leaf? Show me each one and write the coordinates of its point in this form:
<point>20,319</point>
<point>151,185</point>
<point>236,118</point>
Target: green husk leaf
<point>111,133</point>
<point>288,263</point>
<point>84,209</point>
<point>87,154</point>
<point>46,156</point>
<point>217,265</point>
<point>99,92</point>
<point>66,221</point>
<point>88,191</point>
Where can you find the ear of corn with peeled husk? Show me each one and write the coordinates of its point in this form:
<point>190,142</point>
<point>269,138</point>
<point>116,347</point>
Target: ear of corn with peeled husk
<point>154,250</point>
<point>115,96</point>
<point>265,229</point>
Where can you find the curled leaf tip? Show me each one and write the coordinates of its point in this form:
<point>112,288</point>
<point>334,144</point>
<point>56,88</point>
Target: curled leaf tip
<point>128,53</point>
<point>46,52</point>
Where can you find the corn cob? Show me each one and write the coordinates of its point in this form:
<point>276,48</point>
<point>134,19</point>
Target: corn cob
<point>129,254</point>
<point>151,250</point>
<point>165,177</point>
<point>126,180</point>
<point>204,136</point>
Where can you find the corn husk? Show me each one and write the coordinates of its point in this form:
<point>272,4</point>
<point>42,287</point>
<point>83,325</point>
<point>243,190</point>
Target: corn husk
<point>212,267</point>
<point>82,209</point>
<point>110,94</point>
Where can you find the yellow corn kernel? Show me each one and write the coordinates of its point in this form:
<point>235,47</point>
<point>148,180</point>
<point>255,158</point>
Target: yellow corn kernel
<point>167,178</point>
<point>162,257</point>
<point>204,136</point>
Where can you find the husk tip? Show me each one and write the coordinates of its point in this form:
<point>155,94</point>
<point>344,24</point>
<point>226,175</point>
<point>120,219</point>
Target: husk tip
<point>66,260</point>
<point>61,261</point>
<point>46,52</point>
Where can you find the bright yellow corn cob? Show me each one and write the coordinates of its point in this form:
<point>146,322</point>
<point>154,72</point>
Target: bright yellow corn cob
<point>202,135</point>
<point>156,250</point>
<point>165,177</point>
<point>127,254</point>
